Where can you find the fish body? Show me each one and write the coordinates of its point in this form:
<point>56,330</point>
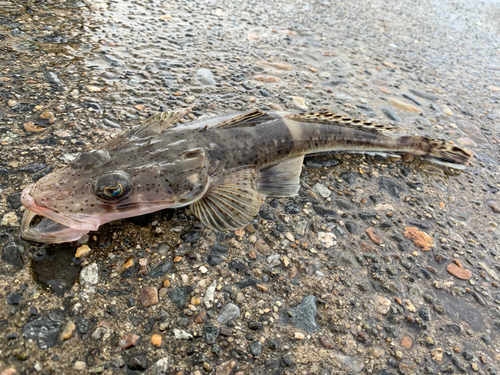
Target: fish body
<point>219,166</point>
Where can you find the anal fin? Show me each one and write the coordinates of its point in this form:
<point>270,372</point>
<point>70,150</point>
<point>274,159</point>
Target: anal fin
<point>230,203</point>
<point>281,179</point>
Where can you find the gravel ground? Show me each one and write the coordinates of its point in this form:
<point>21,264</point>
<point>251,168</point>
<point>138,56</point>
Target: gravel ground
<point>378,266</point>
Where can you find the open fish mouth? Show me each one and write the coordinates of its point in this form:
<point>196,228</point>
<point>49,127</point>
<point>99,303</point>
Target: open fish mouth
<point>53,227</point>
<point>48,230</point>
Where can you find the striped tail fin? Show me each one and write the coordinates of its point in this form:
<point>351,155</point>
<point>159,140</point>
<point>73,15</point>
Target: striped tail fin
<point>436,151</point>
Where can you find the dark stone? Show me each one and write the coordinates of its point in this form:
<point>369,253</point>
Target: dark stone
<point>255,326</point>
<point>288,360</point>
<point>486,339</point>
<point>226,331</point>
<point>194,359</point>
<point>182,322</point>
<point>160,270</point>
<point>422,224</point>
<point>425,273</point>
<point>119,292</point>
<point>4,171</point>
<point>392,331</point>
<point>273,344</point>
<point>211,334</point>
<point>304,315</point>
<point>216,255</point>
<point>137,363</point>
<point>267,214</point>
<point>386,224</point>
<point>390,114</point>
<point>10,254</point>
<point>111,310</point>
<point>424,313</point>
<point>111,124</point>
<point>324,211</point>
<point>148,327</point>
<point>349,177</point>
<point>369,111</point>
<point>424,94</point>
<point>94,106</point>
<point>467,354</point>
<point>344,204</point>
<point>237,265</point>
<point>33,168</point>
<point>334,83</point>
<point>14,200</point>
<point>392,187</point>
<point>292,208</point>
<point>265,93</point>
<point>14,298</point>
<point>252,281</point>
<point>351,227</point>
<point>405,171</point>
<point>44,330</point>
<point>414,185</point>
<point>367,215</point>
<point>82,324</point>
<point>479,298</point>
<point>52,78</point>
<point>179,296</point>
<point>256,348</point>
<point>191,237</point>
<point>39,175</point>
<point>412,98</point>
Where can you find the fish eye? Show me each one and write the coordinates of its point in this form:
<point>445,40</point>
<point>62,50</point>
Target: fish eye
<point>113,186</point>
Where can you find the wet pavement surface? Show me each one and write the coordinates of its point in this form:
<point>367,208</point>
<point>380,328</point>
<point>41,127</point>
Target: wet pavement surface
<point>378,266</point>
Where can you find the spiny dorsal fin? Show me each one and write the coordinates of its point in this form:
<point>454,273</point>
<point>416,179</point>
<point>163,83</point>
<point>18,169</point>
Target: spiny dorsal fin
<point>161,121</point>
<point>230,203</point>
<point>251,118</point>
<point>325,117</point>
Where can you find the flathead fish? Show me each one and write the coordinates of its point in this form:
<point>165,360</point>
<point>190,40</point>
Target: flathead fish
<point>219,167</point>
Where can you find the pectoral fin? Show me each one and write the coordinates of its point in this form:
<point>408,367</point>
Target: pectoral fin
<point>281,179</point>
<point>230,203</point>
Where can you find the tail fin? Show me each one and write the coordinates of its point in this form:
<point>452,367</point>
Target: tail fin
<point>439,152</point>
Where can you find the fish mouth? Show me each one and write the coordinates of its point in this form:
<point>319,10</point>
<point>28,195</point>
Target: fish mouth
<point>54,227</point>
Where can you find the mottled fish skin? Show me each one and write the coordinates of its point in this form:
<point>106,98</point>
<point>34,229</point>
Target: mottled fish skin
<point>219,166</point>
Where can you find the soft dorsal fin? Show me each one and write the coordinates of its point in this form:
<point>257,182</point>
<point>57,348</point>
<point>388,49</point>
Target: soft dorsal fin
<point>230,202</point>
<point>281,179</point>
<point>251,118</point>
<point>325,117</point>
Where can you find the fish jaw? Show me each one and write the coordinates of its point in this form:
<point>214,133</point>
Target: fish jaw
<point>54,227</point>
<point>48,231</point>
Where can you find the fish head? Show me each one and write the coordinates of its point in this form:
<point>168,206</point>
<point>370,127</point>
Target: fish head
<point>95,189</point>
